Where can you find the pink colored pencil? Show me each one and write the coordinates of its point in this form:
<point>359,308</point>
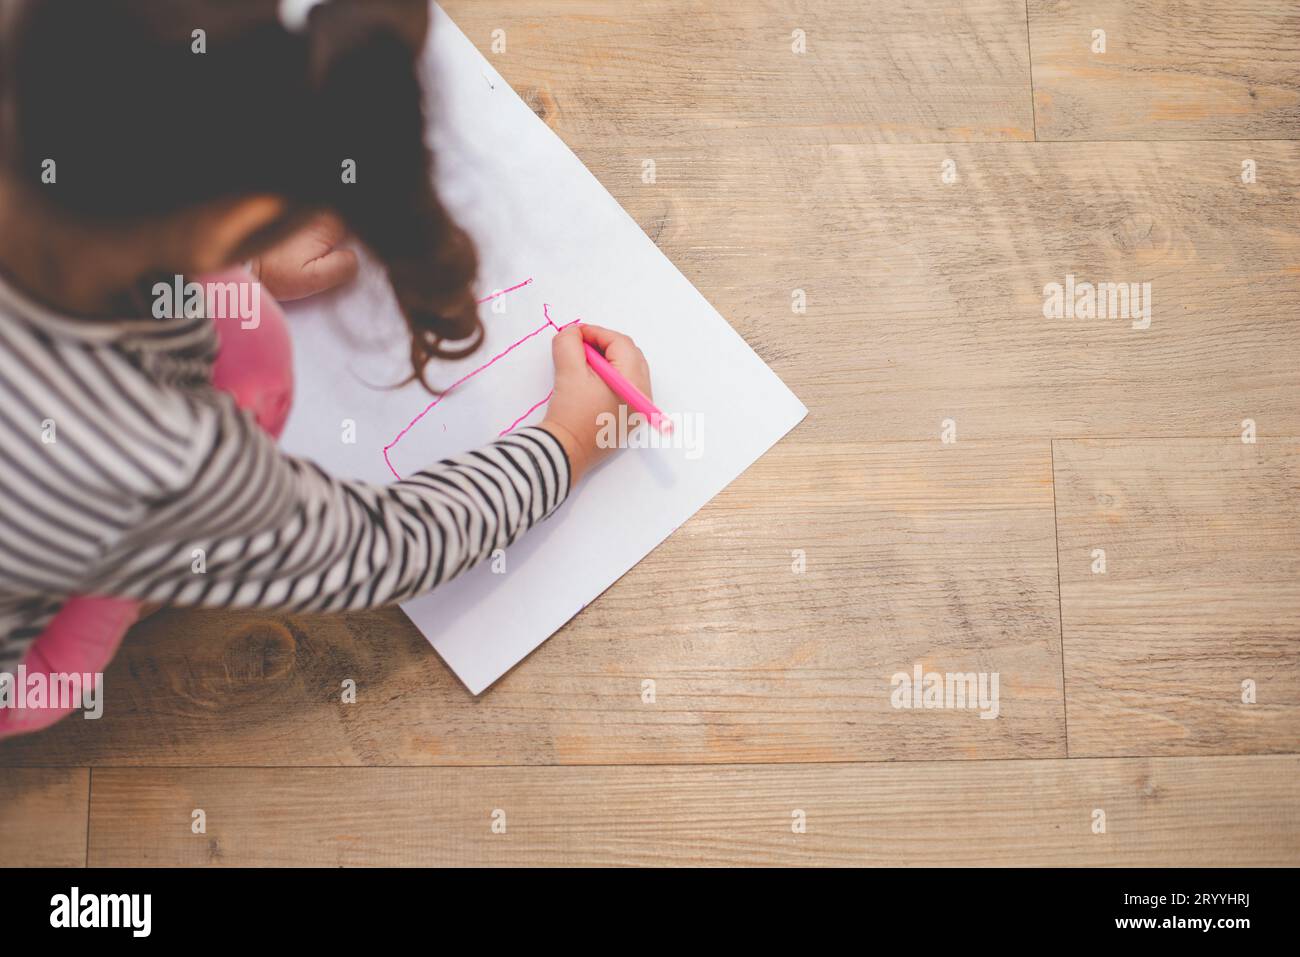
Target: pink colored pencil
<point>636,400</point>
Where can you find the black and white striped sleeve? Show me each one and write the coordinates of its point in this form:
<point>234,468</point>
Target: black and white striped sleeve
<point>252,527</point>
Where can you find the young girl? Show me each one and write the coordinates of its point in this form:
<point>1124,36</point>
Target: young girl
<point>142,140</point>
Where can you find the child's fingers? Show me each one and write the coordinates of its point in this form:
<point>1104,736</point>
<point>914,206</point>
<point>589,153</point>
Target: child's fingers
<point>329,228</point>
<point>618,348</point>
<point>335,268</point>
<point>605,339</point>
<point>567,351</point>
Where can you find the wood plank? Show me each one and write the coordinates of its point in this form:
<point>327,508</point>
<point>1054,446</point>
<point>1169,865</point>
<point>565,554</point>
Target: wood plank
<point>1169,71</point>
<point>1201,592</point>
<point>916,553</point>
<point>604,73</point>
<point>1239,811</point>
<point>925,300</point>
<point>43,813</point>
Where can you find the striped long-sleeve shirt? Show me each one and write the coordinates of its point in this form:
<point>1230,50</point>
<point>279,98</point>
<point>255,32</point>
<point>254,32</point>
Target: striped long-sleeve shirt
<point>124,472</point>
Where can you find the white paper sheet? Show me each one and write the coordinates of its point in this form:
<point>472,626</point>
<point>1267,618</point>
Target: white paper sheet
<point>542,220</point>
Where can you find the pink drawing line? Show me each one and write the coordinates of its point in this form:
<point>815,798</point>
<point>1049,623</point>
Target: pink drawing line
<point>546,311</point>
<point>501,355</point>
<point>502,292</point>
<point>536,405</point>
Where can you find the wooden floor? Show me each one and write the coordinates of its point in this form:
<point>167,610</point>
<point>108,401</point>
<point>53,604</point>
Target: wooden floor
<point>1122,734</point>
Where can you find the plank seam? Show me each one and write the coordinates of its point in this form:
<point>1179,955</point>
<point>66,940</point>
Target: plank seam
<point>90,779</point>
<point>691,764</point>
<point>1060,608</point>
<point>1029,47</point>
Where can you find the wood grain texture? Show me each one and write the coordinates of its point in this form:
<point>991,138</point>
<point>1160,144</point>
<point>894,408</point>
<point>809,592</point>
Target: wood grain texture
<point>1201,592</point>
<point>1200,70</point>
<point>643,76</point>
<point>43,815</point>
<point>925,300</point>
<point>1158,812</point>
<point>915,553</point>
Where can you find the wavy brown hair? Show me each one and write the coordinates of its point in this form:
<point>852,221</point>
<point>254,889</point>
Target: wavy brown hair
<point>142,126</point>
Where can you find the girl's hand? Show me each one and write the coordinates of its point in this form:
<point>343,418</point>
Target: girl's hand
<point>307,262</point>
<point>581,395</point>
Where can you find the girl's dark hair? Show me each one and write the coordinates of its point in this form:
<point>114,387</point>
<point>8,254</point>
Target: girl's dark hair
<point>141,125</point>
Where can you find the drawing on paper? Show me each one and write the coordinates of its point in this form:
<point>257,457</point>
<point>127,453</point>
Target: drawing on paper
<point>549,323</point>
